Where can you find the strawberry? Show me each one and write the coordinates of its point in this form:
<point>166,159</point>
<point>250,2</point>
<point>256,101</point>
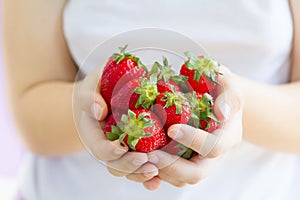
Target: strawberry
<point>202,73</point>
<point>166,77</point>
<point>176,109</point>
<point>209,125</point>
<point>141,130</point>
<point>202,112</point>
<point>136,94</point>
<point>178,149</point>
<point>111,127</point>
<point>119,69</point>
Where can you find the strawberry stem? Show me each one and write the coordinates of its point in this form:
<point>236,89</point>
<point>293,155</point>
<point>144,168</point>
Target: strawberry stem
<point>134,127</point>
<point>207,66</point>
<point>174,98</point>
<point>202,109</point>
<point>148,92</point>
<point>165,72</point>
<point>119,57</point>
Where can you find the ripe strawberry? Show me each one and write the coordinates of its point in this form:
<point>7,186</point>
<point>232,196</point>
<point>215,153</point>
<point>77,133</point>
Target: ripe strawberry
<point>120,68</point>
<point>111,127</point>
<point>209,125</point>
<point>176,109</point>
<point>166,77</point>
<point>136,94</point>
<point>202,73</point>
<point>178,149</point>
<point>202,112</point>
<point>140,130</point>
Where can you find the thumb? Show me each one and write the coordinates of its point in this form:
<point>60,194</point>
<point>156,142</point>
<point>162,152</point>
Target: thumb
<point>99,108</point>
<point>86,97</point>
<point>230,100</point>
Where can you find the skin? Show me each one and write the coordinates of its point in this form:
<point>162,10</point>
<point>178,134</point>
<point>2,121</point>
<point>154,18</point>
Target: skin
<point>38,76</point>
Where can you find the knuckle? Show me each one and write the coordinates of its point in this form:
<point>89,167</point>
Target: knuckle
<point>179,184</point>
<point>172,169</point>
<point>98,153</point>
<point>196,179</point>
<point>236,100</point>
<point>101,153</point>
<point>133,177</point>
<point>115,172</point>
<point>217,151</point>
<point>196,142</point>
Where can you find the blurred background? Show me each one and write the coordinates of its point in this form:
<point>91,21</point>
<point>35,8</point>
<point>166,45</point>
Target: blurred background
<point>11,150</point>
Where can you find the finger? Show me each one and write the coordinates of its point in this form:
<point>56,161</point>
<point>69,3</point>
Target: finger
<point>143,174</point>
<point>152,184</point>
<point>170,179</point>
<point>229,136</point>
<point>93,103</point>
<point>127,164</point>
<point>86,95</point>
<point>94,140</point>
<point>230,100</point>
<point>198,140</point>
<point>93,79</point>
<point>174,169</point>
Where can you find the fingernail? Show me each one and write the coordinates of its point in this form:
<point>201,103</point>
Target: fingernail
<point>151,174</point>
<point>153,159</point>
<point>119,151</point>
<point>224,108</point>
<point>96,110</point>
<point>175,133</point>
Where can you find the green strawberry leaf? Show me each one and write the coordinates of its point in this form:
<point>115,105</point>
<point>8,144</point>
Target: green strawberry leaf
<point>147,92</point>
<point>114,134</point>
<point>207,66</point>
<point>121,139</point>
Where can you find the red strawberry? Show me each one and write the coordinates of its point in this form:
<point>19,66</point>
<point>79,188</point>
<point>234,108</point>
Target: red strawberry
<point>136,94</point>
<point>202,73</point>
<point>166,77</point>
<point>120,68</point>
<point>209,125</point>
<point>140,130</point>
<point>201,117</point>
<point>176,109</point>
<point>202,112</point>
<point>111,126</point>
<point>178,149</point>
<point>167,86</point>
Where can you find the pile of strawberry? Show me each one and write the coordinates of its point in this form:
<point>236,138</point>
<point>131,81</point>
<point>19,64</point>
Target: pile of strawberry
<point>144,104</point>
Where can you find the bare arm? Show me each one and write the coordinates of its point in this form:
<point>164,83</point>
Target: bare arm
<point>272,113</point>
<point>40,74</point>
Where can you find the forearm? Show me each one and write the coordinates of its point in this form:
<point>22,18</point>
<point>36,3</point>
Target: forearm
<point>271,115</point>
<point>44,115</point>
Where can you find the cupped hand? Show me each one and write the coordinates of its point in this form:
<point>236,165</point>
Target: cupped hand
<point>209,146</point>
<point>89,109</point>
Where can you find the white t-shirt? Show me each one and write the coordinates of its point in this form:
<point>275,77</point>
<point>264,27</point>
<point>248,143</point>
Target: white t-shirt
<point>253,38</point>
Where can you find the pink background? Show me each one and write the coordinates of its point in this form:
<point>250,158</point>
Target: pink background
<point>10,147</point>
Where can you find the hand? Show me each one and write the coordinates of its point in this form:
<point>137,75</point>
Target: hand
<point>90,108</point>
<point>209,146</point>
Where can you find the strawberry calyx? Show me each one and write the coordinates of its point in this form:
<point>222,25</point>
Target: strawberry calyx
<point>184,152</point>
<point>148,92</point>
<point>176,99</point>
<point>114,134</point>
<point>201,109</point>
<point>208,67</point>
<point>164,72</point>
<point>134,127</point>
<point>119,57</point>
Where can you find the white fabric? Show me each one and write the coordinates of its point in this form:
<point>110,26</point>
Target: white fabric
<point>253,38</point>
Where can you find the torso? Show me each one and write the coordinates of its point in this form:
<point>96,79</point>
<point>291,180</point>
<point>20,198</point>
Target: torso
<point>253,38</point>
